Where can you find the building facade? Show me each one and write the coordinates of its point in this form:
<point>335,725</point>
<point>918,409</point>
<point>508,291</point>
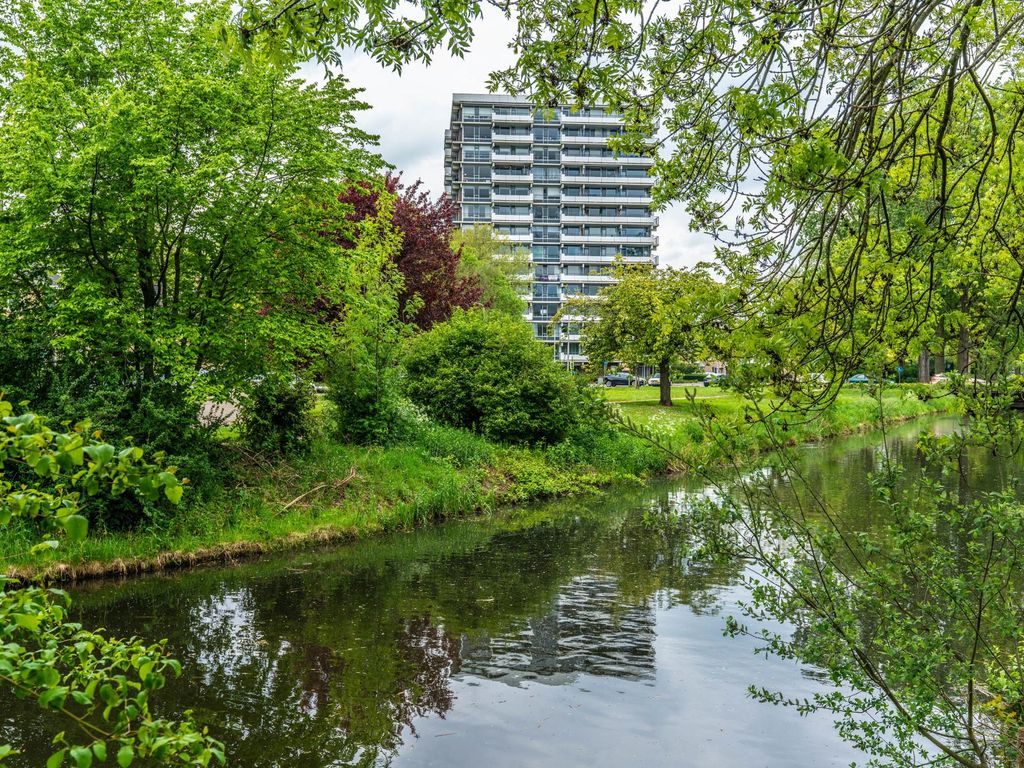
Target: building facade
<point>549,182</point>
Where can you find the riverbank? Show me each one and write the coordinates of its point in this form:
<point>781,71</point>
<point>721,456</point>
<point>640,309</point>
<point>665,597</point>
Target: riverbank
<point>337,492</point>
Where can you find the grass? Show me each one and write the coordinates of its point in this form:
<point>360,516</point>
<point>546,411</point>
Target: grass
<point>337,492</point>
<point>696,426</point>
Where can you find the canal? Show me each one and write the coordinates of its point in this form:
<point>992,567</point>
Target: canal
<point>574,633</point>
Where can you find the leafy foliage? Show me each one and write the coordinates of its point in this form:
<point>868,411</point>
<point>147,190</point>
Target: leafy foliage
<point>163,209</point>
<point>484,371</point>
<point>364,375</point>
<point>102,685</point>
<point>277,416</point>
<point>432,285</point>
<point>498,267</point>
<point>652,316</point>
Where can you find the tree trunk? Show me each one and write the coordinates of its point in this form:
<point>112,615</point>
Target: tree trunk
<point>665,387</point>
<point>963,347</point>
<point>940,353</point>
<point>923,374</point>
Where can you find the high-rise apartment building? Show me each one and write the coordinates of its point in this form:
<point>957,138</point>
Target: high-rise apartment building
<point>550,183</point>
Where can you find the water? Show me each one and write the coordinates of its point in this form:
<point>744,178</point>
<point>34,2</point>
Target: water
<point>576,633</point>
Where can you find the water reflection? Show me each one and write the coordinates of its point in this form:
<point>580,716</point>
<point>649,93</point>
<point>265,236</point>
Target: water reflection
<point>578,633</point>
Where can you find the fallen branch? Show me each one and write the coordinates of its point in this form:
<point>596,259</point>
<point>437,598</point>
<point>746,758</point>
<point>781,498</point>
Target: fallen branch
<point>336,484</point>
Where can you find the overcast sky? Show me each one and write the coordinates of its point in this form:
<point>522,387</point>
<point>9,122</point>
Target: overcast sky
<point>411,112</point>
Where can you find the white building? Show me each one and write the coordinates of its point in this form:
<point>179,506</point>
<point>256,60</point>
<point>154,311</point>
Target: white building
<point>551,183</point>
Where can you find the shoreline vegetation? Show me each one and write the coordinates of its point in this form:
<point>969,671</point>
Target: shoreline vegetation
<point>336,492</point>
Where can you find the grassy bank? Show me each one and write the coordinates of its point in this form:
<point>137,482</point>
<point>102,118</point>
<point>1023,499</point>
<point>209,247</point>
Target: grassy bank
<point>684,425</point>
<point>339,492</point>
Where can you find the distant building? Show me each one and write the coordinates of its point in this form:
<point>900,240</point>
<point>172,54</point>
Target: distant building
<point>550,183</point>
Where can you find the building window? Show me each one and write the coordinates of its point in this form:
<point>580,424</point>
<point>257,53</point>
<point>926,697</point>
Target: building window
<point>471,114</point>
<point>545,213</point>
<point>546,135</point>
<point>545,253</point>
<point>476,213</point>
<point>477,173</point>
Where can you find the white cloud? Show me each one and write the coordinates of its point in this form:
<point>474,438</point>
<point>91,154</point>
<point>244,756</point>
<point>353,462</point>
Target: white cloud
<point>410,112</point>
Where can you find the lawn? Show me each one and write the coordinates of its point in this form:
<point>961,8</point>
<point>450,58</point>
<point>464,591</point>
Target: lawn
<point>855,410</point>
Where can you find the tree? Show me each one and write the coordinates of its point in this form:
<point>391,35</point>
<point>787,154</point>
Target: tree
<point>498,267</point>
<point>427,260</point>
<point>652,316</point>
<point>162,204</point>
<point>485,372</point>
<point>372,325</point>
<point>102,685</point>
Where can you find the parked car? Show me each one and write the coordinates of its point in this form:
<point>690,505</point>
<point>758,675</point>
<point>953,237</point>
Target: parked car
<point>617,379</point>
<point>713,379</point>
<point>858,378</point>
<point>654,381</point>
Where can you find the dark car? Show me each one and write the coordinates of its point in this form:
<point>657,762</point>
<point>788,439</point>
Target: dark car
<point>617,380</point>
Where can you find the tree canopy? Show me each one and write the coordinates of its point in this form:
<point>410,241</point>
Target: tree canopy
<point>651,316</point>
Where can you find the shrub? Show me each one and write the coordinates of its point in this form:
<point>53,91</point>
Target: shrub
<point>368,403</point>
<point>277,415</point>
<point>158,417</point>
<point>485,372</point>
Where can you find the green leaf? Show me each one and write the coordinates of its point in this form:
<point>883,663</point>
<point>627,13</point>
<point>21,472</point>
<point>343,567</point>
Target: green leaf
<point>99,749</point>
<point>56,759</point>
<point>173,493</point>
<point>29,621</point>
<point>101,453</point>
<point>76,526</point>
<point>53,698</point>
<point>82,756</point>
<point>125,755</point>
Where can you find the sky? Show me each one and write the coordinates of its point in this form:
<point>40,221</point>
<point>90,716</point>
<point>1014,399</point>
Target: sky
<point>411,112</point>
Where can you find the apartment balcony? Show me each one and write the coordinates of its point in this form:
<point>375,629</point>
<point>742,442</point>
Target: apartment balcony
<point>594,278</point>
<point>511,139</point>
<point>636,181</point>
<point>642,181</point>
<point>610,240</point>
<point>606,259</point>
<point>626,160</point>
<point>504,157</point>
<point>566,358</point>
<point>512,198</point>
<point>581,119</point>
<point>594,200</point>
<point>512,218</point>
<point>591,141</point>
<point>512,178</point>
<point>516,119</point>
<point>628,220</point>
<point>515,238</point>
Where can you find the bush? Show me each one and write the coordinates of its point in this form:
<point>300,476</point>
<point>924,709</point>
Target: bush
<point>369,408</point>
<point>158,417</point>
<point>277,416</point>
<point>485,372</point>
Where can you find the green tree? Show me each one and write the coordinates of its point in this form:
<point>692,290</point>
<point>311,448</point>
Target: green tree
<point>652,316</point>
<point>102,685</point>
<point>364,376</point>
<point>497,266</point>
<point>163,204</point>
